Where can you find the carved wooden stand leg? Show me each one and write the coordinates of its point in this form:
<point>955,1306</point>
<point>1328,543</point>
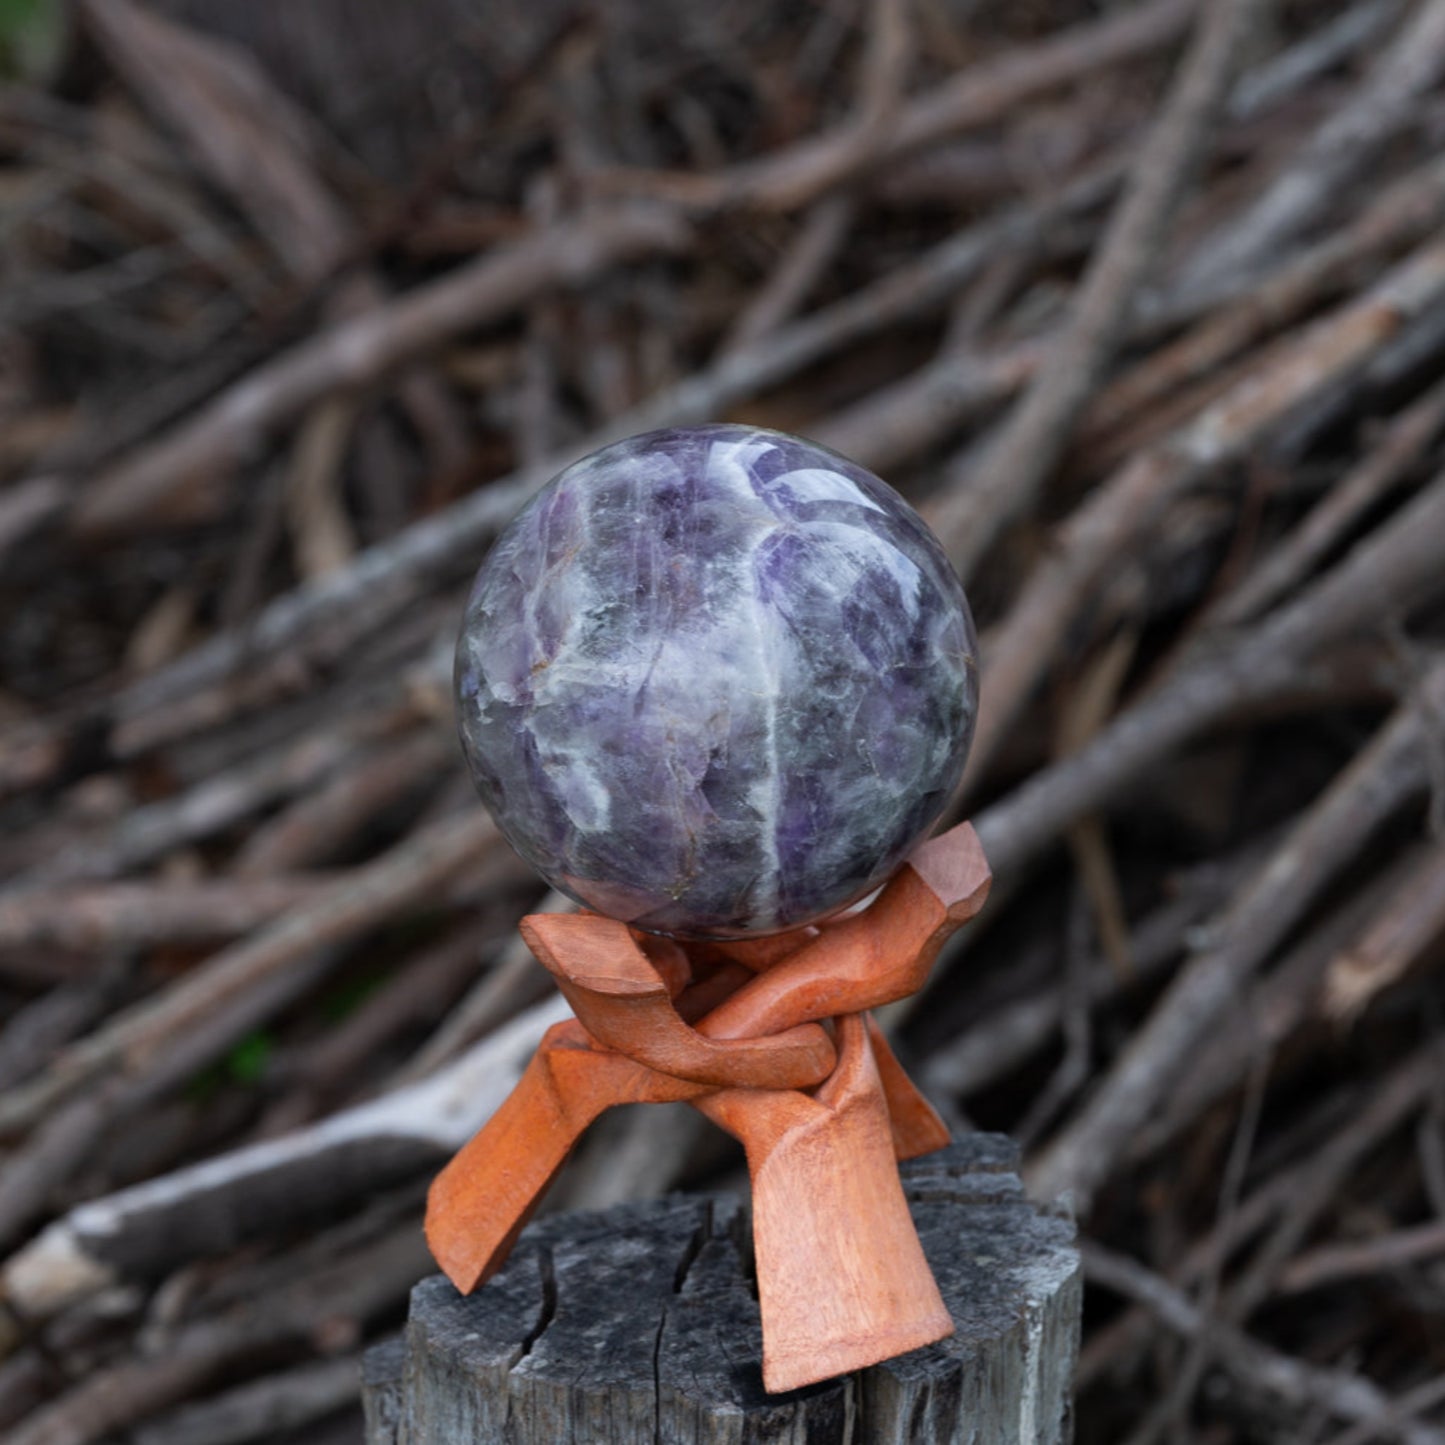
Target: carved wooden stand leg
<point>842,1279</point>
<point>487,1193</point>
<point>827,1206</point>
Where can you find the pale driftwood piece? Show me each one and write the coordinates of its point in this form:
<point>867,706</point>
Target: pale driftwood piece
<point>220,1203</point>
<point>639,1323</point>
<point>353,1288</point>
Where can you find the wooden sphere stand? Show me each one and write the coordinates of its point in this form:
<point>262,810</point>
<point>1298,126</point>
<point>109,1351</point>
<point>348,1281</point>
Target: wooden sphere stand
<point>738,1030</point>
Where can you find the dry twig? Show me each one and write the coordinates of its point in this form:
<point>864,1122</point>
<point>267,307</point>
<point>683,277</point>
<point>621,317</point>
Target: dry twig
<point>1003,486</point>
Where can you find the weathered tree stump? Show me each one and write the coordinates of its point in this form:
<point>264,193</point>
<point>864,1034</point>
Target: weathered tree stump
<point>640,1324</point>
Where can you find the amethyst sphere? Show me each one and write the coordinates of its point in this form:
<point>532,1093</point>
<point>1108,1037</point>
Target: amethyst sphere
<point>716,681</point>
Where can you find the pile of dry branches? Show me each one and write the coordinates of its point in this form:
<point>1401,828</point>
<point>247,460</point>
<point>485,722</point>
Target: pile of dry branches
<point>1143,304</point>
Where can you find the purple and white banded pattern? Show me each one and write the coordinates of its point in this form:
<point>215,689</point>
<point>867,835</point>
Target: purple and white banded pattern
<point>716,681</point>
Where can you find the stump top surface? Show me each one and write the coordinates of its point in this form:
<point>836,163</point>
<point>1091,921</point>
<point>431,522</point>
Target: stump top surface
<point>640,1323</point>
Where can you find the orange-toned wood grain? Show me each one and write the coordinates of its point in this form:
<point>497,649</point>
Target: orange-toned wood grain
<point>626,1005</point>
<point>480,1202</point>
<point>737,1029</point>
<point>842,1278</point>
<point>917,1128</point>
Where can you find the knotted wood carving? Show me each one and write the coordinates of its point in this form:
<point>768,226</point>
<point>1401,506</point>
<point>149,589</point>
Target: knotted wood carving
<point>771,1039</point>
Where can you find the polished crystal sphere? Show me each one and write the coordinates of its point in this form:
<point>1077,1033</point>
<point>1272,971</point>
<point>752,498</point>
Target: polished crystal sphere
<point>716,681</point>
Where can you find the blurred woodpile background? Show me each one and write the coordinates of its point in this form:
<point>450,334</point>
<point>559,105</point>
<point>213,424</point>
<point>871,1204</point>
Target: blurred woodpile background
<point>1143,304</point>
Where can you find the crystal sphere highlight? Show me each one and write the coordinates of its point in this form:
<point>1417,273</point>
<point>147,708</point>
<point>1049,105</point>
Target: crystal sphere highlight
<point>716,681</point>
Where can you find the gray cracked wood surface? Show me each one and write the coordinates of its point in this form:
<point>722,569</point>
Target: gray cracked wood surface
<point>639,1324</point>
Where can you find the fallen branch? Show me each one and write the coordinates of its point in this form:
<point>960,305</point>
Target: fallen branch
<point>359,352</point>
<point>143,1039</point>
<point>1369,791</point>
<point>1126,506</point>
<point>801,174</point>
<point>1406,931</point>
<point>316,623</point>
<point>978,505</point>
<point>1386,575</point>
<point>1295,1384</point>
<point>1351,136</point>
<point>286,1400</point>
<point>208,1208</point>
<point>1007,1037</point>
<point>355,1289</point>
<point>142,915</point>
<point>1292,1201</point>
<point>1400,448</point>
<point>1331,1264</point>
